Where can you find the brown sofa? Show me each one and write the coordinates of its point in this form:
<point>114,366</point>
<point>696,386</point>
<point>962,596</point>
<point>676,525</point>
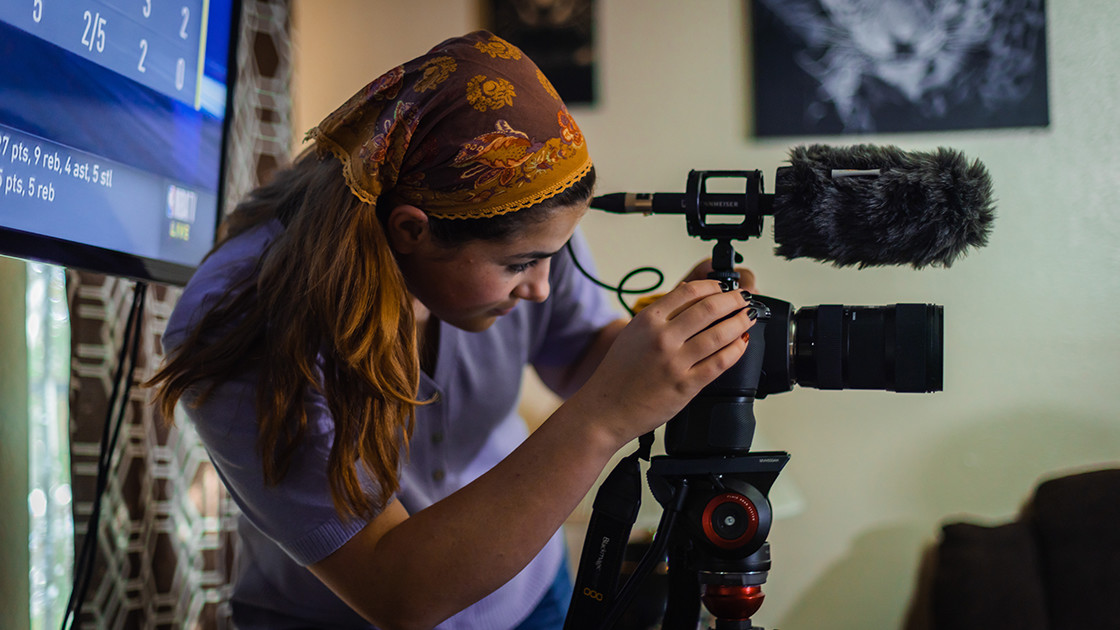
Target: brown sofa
<point>1056,567</point>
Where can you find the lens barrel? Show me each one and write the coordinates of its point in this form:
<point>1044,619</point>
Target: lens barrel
<point>898,348</point>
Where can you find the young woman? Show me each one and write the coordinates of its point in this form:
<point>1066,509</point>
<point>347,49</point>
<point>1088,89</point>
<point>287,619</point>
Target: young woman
<point>351,355</point>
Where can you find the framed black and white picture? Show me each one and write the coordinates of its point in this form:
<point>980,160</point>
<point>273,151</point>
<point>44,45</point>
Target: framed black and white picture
<point>876,66</point>
<point>556,34</point>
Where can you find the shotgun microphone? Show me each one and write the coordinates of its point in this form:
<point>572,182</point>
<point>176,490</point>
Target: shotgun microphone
<point>862,205</point>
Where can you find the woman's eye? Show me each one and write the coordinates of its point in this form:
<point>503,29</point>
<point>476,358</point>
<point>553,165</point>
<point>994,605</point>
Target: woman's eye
<point>520,267</point>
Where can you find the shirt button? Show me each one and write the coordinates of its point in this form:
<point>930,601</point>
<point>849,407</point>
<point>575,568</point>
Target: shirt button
<point>437,437</point>
<point>438,474</point>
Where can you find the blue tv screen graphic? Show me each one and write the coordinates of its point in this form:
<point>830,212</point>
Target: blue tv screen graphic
<point>112,127</point>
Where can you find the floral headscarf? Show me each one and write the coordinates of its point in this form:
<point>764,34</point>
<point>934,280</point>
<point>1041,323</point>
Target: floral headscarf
<point>471,129</point>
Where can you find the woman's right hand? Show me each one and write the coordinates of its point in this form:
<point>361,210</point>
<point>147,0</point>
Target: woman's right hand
<point>664,357</point>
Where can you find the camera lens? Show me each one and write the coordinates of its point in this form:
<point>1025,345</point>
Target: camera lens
<point>896,348</point>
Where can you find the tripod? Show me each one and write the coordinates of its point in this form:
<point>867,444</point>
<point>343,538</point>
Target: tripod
<point>713,491</point>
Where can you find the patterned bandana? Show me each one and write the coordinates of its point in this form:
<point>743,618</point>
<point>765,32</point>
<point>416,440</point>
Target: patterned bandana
<point>472,129</point>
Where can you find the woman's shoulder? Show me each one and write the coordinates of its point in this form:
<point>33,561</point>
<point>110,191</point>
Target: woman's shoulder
<point>218,277</point>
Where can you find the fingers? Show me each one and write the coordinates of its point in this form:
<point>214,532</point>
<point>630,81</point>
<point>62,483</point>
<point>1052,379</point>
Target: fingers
<point>699,319</point>
<point>701,313</point>
<point>686,294</point>
<point>719,346</point>
<point>700,271</point>
<point>747,279</point>
<point>704,267</point>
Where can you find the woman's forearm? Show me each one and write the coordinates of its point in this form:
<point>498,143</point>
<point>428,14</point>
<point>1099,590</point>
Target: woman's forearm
<point>434,563</point>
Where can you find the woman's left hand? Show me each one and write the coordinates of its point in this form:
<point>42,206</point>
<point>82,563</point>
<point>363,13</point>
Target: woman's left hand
<point>704,267</point>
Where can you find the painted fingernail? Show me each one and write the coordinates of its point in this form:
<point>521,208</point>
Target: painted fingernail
<point>746,295</point>
<point>752,313</point>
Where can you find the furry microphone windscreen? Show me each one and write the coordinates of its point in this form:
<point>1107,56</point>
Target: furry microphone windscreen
<point>870,205</point>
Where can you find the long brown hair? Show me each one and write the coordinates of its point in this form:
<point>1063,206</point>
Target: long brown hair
<point>328,312</point>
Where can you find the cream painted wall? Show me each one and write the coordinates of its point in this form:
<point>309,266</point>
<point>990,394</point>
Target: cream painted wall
<point>15,482</point>
<point>1032,349</point>
<point>340,45</point>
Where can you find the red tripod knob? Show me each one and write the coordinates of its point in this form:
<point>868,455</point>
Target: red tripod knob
<point>730,520</point>
<point>727,601</point>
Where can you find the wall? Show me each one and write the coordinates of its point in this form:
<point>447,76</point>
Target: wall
<point>337,51</point>
<point>15,558</point>
<point>1032,340</point>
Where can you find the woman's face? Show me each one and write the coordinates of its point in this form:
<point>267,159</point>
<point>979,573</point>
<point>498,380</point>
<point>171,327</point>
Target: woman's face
<point>470,286</point>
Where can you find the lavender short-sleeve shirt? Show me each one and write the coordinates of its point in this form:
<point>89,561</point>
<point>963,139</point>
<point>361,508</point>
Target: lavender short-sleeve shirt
<point>470,427</point>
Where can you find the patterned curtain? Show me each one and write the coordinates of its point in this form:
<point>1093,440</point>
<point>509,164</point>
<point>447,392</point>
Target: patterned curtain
<point>167,536</point>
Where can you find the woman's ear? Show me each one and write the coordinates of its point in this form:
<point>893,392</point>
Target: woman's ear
<point>407,229</point>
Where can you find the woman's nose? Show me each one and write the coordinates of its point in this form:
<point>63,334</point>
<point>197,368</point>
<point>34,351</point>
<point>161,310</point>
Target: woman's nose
<point>535,286</point>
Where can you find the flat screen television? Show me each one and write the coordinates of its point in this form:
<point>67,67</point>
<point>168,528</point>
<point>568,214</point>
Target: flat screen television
<point>113,121</point>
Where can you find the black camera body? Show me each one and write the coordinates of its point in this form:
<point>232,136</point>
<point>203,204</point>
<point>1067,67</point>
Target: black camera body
<point>896,348</point>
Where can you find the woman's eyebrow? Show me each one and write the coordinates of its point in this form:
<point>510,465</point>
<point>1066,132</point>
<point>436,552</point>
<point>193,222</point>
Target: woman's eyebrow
<point>535,255</point>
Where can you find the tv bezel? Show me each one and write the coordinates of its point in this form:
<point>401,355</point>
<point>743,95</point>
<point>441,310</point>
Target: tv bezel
<point>82,256</point>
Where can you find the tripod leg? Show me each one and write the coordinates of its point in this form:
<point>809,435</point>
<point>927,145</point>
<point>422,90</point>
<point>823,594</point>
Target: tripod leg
<point>682,610</point>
